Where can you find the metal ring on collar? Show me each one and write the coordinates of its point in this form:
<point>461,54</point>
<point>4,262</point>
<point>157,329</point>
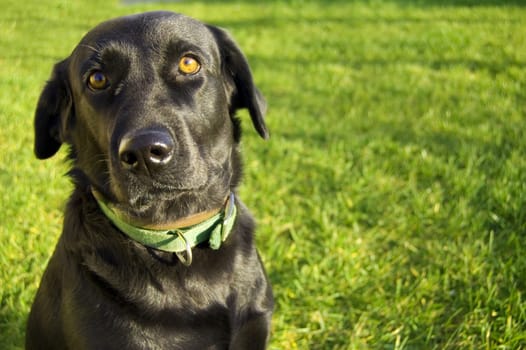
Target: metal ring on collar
<point>185,260</point>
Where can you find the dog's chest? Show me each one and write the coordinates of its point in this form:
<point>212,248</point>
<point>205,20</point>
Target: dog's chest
<point>155,285</point>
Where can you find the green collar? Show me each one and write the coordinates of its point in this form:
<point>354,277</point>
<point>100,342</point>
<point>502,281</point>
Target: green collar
<point>180,241</point>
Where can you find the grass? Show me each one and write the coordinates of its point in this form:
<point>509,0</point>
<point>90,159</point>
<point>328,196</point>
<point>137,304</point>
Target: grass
<point>391,197</point>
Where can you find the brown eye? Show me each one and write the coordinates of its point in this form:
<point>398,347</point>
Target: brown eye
<point>97,81</point>
<point>189,65</point>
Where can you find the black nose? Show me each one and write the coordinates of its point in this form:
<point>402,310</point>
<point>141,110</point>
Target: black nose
<point>146,151</point>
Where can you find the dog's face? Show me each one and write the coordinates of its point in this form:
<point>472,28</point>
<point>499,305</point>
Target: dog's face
<point>147,104</point>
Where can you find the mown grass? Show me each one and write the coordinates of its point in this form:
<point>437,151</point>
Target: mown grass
<point>391,197</point>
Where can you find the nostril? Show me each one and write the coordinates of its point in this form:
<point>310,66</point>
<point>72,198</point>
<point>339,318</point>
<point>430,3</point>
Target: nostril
<point>129,159</point>
<point>160,152</point>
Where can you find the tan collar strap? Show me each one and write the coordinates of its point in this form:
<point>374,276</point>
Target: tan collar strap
<point>187,221</point>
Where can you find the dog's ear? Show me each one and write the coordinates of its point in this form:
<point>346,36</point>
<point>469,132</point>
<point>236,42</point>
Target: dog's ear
<point>53,109</point>
<point>236,68</point>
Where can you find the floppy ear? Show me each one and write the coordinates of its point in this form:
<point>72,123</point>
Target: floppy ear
<point>244,94</point>
<point>53,109</point>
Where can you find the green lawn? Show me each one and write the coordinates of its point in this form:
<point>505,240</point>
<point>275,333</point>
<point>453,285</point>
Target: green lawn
<point>391,197</point>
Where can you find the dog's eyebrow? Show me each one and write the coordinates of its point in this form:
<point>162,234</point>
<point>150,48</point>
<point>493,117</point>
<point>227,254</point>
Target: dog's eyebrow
<point>181,46</point>
<point>95,50</point>
<point>102,46</point>
<point>100,51</point>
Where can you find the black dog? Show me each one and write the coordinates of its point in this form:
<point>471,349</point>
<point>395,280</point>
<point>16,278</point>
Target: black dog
<point>156,251</point>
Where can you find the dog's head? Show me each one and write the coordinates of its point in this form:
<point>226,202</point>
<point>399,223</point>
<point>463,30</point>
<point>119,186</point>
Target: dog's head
<point>147,103</point>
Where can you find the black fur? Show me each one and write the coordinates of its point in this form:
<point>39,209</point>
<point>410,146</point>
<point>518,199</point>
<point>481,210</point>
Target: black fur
<point>102,290</point>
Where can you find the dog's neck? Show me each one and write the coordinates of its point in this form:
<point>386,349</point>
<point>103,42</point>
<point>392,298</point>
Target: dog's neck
<point>181,236</point>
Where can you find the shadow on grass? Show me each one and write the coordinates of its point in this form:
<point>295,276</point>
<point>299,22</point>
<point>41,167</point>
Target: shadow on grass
<point>12,329</point>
